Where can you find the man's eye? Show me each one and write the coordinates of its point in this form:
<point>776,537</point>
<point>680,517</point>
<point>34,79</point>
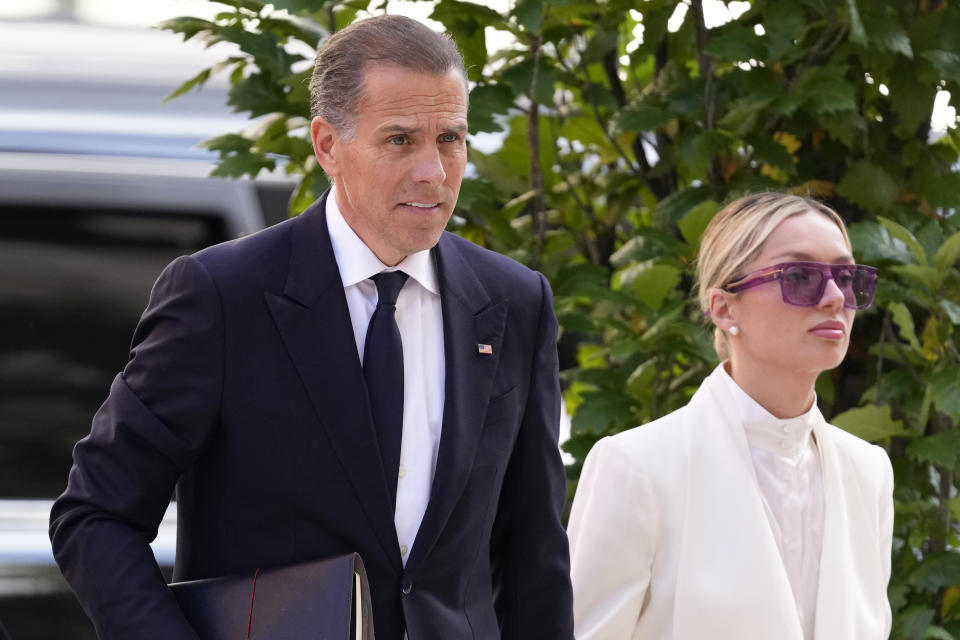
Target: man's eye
<point>398,140</point>
<point>449,137</point>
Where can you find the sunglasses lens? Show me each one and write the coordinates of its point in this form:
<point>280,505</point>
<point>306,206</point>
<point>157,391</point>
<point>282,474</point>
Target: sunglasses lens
<point>801,285</point>
<point>861,283</point>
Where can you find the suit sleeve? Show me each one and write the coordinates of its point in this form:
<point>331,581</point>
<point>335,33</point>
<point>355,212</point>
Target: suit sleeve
<point>529,552</point>
<point>160,411</point>
<point>612,544</point>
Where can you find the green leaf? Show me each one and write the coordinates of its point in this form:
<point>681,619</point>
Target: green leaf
<point>187,26</point>
<point>677,204</point>
<point>936,571</point>
<point>228,143</point>
<point>486,101</point>
<point>296,6</point>
<point>869,187</point>
<point>946,62</point>
<point>927,277</point>
<point>872,423</point>
<point>940,192</point>
<point>903,234</point>
<point>948,253</point>
<point>937,633</point>
<point>578,279</point>
<point>309,189</point>
<point>857,33</point>
<point>603,42</point>
<point>195,81</point>
<point>826,90</point>
<point>904,321</point>
<point>945,390</point>
<point>743,114</point>
<point>952,309</point>
<point>941,448</point>
<point>257,94</point>
<point>529,14</point>
<point>601,411</point>
<point>785,24</point>
<point>242,164</point>
<point>646,244</point>
<point>873,243</point>
<point>650,282</point>
<point>695,221</point>
<point>735,42</point>
<point>910,96</point>
<point>640,118</point>
<point>467,23</point>
<point>638,384</point>
<point>885,33</point>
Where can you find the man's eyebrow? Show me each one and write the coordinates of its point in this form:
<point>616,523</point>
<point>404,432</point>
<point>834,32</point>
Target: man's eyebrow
<point>457,128</point>
<point>398,128</point>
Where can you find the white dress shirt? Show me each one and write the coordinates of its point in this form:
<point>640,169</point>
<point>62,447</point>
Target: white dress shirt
<point>419,318</point>
<point>787,464</point>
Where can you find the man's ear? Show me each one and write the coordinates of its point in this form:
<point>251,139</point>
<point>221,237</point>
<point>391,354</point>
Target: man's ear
<point>325,140</point>
<point>722,311</point>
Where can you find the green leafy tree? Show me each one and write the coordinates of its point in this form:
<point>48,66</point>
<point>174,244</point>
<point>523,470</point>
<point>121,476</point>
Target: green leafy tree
<point>623,126</point>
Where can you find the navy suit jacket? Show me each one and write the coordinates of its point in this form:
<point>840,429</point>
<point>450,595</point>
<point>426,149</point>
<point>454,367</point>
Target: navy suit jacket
<point>245,391</point>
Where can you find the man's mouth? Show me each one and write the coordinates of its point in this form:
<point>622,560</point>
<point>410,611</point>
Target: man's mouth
<point>422,205</point>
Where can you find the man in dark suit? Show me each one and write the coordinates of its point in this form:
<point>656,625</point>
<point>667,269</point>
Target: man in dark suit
<point>299,416</point>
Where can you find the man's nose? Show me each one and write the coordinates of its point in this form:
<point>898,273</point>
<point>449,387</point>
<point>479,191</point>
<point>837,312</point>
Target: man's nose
<point>428,166</point>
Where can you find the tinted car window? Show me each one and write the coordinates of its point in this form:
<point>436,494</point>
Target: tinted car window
<point>73,283</point>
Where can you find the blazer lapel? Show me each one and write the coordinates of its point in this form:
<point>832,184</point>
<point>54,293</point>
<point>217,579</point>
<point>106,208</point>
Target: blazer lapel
<point>730,576</point>
<point>470,318</point>
<point>314,322</point>
<point>848,559</point>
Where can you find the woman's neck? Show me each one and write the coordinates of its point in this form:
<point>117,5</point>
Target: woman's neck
<point>785,394</point>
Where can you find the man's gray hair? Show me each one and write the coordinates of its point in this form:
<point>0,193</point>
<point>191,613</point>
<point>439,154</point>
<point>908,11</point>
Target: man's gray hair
<point>336,87</point>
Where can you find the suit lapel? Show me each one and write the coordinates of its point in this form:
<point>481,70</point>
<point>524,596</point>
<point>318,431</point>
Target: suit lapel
<point>470,318</point>
<point>848,566</point>
<point>314,322</point>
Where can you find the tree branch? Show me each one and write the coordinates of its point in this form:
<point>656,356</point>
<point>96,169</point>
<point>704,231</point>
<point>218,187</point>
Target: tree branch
<point>538,204</point>
<point>706,64</point>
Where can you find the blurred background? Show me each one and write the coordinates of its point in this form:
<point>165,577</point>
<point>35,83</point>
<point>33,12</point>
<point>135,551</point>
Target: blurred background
<point>101,185</point>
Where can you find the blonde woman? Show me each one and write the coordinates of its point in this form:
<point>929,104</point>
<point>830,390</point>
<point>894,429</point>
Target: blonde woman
<point>744,515</point>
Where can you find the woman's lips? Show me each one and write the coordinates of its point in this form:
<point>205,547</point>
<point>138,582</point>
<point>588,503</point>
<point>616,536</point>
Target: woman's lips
<point>830,330</point>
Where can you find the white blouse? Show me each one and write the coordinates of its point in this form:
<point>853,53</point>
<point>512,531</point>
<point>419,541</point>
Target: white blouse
<point>787,463</point>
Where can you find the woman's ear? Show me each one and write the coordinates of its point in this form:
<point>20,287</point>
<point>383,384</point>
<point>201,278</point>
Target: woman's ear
<point>722,309</point>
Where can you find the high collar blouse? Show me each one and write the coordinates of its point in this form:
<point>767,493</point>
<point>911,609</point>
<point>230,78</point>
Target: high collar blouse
<point>787,464</point>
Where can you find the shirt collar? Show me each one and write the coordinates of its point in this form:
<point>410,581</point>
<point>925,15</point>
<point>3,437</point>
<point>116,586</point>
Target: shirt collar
<point>784,436</point>
<point>357,262</point>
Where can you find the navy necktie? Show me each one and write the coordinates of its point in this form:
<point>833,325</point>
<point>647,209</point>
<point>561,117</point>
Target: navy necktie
<point>383,370</point>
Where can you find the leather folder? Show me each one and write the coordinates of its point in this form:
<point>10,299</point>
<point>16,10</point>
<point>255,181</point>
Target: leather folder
<point>323,600</point>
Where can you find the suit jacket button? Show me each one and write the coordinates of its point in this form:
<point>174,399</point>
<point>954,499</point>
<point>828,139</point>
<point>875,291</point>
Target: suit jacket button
<point>407,588</point>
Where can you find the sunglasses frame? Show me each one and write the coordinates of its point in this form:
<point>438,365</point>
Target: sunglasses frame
<point>827,270</point>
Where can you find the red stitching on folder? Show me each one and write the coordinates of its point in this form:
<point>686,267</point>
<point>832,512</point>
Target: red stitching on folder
<point>253,590</point>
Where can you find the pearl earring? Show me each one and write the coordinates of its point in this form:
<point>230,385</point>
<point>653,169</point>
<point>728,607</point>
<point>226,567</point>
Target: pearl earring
<point>734,330</point>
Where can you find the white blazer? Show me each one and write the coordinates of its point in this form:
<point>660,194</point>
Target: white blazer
<point>669,539</point>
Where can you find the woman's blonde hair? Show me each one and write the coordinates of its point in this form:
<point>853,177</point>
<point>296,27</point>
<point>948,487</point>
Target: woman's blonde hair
<point>737,235</point>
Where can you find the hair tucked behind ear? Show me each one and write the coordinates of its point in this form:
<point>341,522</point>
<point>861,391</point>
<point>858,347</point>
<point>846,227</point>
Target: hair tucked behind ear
<point>737,235</point>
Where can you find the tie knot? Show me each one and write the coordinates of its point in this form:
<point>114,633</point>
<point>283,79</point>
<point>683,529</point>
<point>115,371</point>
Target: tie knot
<point>389,284</point>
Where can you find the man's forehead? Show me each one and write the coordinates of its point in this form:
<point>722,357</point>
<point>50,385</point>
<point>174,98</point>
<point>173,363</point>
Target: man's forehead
<point>389,78</point>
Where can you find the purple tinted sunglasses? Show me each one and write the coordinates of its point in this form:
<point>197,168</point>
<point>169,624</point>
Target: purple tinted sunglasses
<point>802,283</point>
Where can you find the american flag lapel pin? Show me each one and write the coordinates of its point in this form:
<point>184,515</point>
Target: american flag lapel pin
<point>485,349</point>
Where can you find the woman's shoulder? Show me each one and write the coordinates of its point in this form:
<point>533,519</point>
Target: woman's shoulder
<point>648,442</point>
<point>873,458</point>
